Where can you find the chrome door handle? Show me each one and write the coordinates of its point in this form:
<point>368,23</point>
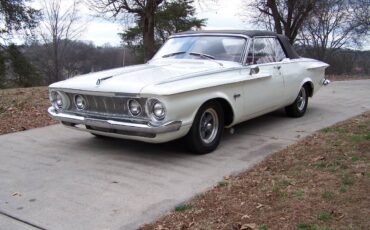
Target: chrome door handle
<point>254,70</point>
<point>277,67</point>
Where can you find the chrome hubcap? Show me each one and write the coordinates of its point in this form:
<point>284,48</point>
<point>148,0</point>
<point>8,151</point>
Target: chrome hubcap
<point>208,126</point>
<point>301,102</point>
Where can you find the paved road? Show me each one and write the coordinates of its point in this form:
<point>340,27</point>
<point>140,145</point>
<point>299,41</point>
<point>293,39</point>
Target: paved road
<point>57,178</point>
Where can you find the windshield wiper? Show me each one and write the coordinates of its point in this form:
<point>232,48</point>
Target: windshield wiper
<point>203,55</point>
<point>206,56</point>
<point>194,54</point>
<point>173,54</point>
<point>191,53</point>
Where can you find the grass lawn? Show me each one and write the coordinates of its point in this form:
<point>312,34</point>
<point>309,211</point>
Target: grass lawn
<point>320,183</point>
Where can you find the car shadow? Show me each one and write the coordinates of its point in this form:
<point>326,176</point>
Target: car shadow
<point>178,148</point>
<point>259,123</point>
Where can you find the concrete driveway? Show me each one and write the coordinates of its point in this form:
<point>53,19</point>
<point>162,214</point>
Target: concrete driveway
<point>57,178</point>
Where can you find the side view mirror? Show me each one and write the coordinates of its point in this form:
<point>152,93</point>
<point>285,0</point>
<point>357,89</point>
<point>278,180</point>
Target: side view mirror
<point>254,70</point>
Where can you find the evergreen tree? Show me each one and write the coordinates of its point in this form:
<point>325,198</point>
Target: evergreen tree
<point>171,17</point>
<point>15,15</point>
<point>22,72</point>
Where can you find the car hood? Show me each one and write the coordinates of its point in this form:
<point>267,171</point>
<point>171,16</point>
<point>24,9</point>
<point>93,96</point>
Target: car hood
<point>133,79</point>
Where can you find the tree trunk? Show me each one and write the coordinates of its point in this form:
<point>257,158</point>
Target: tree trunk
<point>148,29</point>
<point>55,60</point>
<point>276,15</point>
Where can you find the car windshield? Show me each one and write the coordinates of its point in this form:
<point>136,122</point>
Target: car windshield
<point>225,48</point>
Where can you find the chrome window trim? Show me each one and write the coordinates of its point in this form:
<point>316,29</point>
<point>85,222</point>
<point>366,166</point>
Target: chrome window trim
<point>242,55</point>
<point>209,34</point>
<point>252,40</point>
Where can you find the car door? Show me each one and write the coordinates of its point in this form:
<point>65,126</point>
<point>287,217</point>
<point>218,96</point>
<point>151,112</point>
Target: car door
<point>264,88</point>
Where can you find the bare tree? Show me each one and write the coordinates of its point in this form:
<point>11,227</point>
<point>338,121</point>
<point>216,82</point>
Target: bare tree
<point>143,10</point>
<point>283,16</point>
<point>61,24</point>
<point>333,25</point>
<point>361,10</point>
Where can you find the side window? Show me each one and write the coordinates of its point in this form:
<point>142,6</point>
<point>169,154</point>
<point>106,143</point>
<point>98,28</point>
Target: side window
<point>265,50</point>
<point>280,54</point>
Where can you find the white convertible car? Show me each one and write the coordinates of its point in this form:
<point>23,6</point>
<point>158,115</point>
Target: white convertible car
<point>198,83</point>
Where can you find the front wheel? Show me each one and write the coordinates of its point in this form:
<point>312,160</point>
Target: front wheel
<point>206,131</point>
<point>299,106</point>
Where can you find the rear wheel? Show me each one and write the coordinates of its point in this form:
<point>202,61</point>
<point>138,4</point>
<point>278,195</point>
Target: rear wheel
<point>299,106</point>
<point>205,133</point>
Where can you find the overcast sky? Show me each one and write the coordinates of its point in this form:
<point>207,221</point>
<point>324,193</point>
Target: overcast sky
<point>224,15</point>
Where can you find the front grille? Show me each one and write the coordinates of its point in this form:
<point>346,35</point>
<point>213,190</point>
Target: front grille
<point>105,105</point>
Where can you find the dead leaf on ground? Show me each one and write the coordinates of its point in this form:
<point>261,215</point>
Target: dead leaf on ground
<point>16,194</point>
<point>246,217</point>
<point>319,158</point>
<point>160,227</point>
<point>359,174</point>
<point>236,226</point>
<point>251,226</point>
<point>259,206</point>
<point>337,215</point>
<point>265,168</point>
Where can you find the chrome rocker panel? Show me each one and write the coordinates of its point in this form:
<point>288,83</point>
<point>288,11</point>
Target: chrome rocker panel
<point>131,128</point>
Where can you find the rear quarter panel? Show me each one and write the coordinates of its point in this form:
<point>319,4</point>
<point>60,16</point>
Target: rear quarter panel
<point>297,72</point>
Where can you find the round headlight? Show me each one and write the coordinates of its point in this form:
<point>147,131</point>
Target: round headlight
<point>80,102</point>
<point>134,107</point>
<point>58,100</point>
<point>159,111</point>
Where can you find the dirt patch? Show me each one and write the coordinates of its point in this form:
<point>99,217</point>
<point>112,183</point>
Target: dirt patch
<point>24,108</point>
<point>321,182</point>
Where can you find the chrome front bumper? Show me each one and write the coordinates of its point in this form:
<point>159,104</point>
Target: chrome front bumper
<point>113,126</point>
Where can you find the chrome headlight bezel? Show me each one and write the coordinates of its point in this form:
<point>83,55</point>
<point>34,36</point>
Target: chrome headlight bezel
<point>59,100</point>
<point>129,107</point>
<point>83,101</point>
<point>155,104</point>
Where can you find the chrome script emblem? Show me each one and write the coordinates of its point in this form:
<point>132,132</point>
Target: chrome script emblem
<point>102,79</point>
